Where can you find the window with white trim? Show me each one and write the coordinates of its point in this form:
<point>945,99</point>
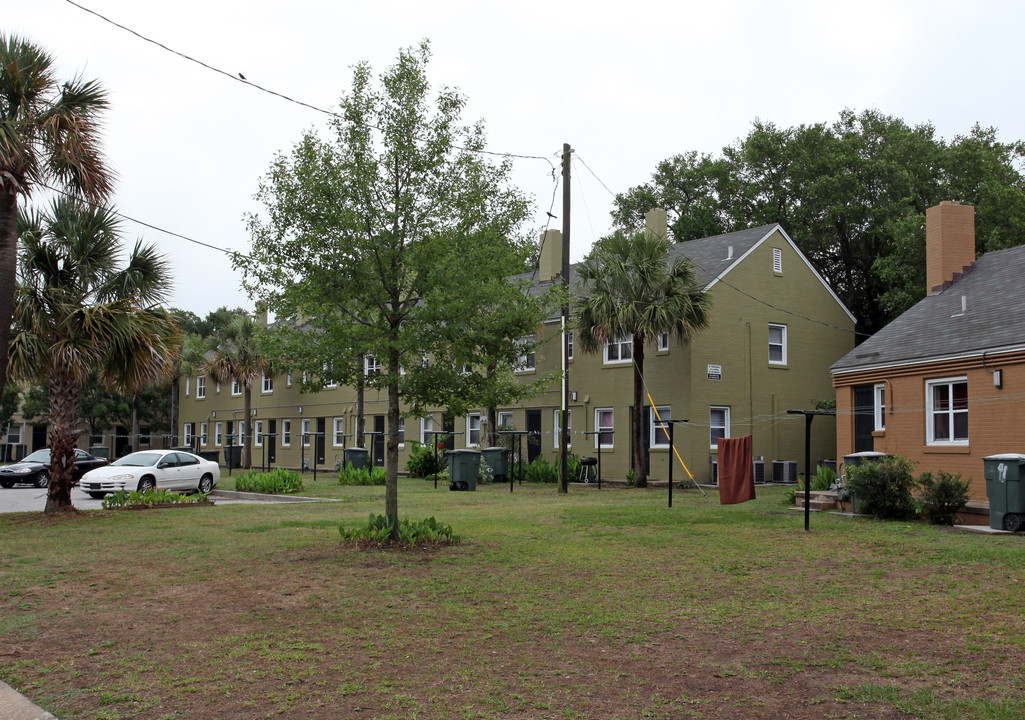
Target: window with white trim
<point>879,406</point>
<point>218,434</point>
<point>268,383</point>
<point>777,260</point>
<point>659,431</point>
<point>558,427</point>
<point>505,420</point>
<point>371,365</point>
<point>663,341</point>
<point>426,426</point>
<point>605,425</point>
<point>473,430</point>
<point>258,433</point>
<point>187,378</point>
<point>718,424</point>
<point>569,344</point>
<point>286,432</point>
<point>946,411</point>
<point>200,387</point>
<point>202,433</point>
<point>14,433</point>
<point>339,432</point>
<point>777,344</point>
<point>305,429</point>
<point>619,350</point>
<point>525,361</point>
<point>328,380</point>
<point>402,432</point>
<point>288,380</point>
<point>236,387</point>
<point>187,434</point>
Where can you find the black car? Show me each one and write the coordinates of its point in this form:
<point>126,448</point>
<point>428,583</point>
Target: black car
<point>35,468</point>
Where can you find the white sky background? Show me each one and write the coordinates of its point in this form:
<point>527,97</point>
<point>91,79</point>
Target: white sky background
<point>626,84</point>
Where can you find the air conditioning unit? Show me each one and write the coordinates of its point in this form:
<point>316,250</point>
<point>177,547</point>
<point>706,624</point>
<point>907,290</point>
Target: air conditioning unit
<point>784,471</point>
<point>759,472</point>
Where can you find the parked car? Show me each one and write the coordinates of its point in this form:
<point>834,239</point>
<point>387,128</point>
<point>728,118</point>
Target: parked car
<point>34,469</point>
<point>147,469</point>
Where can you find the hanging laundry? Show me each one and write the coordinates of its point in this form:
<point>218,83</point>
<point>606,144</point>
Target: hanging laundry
<point>736,472</point>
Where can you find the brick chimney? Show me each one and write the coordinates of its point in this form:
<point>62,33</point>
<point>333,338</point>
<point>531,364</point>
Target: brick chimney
<point>949,244</point>
<point>550,262</point>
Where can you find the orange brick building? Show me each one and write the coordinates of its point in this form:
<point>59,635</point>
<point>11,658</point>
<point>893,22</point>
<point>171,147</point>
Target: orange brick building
<point>944,384</point>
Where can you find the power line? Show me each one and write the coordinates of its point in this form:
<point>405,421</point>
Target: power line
<point>239,78</point>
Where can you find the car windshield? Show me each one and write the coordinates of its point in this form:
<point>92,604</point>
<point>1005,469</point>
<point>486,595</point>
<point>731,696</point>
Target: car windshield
<point>139,459</point>
<point>40,456</point>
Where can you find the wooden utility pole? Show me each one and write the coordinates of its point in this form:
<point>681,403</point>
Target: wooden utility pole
<point>564,414</point>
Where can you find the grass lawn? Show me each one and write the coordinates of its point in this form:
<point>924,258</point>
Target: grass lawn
<point>592,605</point>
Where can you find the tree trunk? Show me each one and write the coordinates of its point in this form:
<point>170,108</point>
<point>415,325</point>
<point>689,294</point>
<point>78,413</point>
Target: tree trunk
<point>8,273</point>
<point>175,401</point>
<point>492,437</point>
<point>391,455</point>
<point>640,475</point>
<point>361,418</point>
<point>64,396</point>
<point>247,436</point>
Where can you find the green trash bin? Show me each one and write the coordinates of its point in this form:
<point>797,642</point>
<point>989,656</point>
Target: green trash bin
<point>497,458</point>
<point>233,457</point>
<point>463,466</point>
<point>355,456</point>
<point>1005,489</point>
<point>858,458</point>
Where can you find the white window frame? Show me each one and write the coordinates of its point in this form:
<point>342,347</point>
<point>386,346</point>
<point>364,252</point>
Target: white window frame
<point>782,344</point>
<point>713,440</point>
<point>505,419</point>
<point>187,434</point>
<point>236,387</point>
<point>329,383</point>
<point>657,431</point>
<point>556,414</point>
<point>526,361</point>
<point>602,429</point>
<point>473,425</point>
<point>304,429</point>
<point>371,365</point>
<point>402,431</point>
<point>288,380</point>
<point>187,379</point>
<point>267,384</point>
<point>338,432</point>
<point>426,426</point>
<point>13,428</point>
<point>619,344</point>
<point>951,412</point>
<point>286,432</point>
<point>218,434</point>
<point>569,343</point>
<point>202,433</point>
<point>258,433</point>
<point>200,387</point>
<point>663,342</point>
<point>879,407</point>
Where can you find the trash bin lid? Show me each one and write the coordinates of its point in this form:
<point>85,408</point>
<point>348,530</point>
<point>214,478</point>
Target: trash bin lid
<point>867,454</point>
<point>1014,457</point>
<point>462,451</point>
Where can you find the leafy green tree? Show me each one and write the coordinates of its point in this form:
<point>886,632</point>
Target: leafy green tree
<point>389,237</point>
<point>76,311</point>
<point>239,355</point>
<point>633,287</point>
<point>189,355</point>
<point>852,195</point>
<point>100,408</point>
<point>49,132</point>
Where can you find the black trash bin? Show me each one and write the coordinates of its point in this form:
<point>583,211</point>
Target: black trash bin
<point>1005,489</point>
<point>463,466</point>
<point>355,456</point>
<point>233,457</point>
<point>211,455</point>
<point>497,458</point>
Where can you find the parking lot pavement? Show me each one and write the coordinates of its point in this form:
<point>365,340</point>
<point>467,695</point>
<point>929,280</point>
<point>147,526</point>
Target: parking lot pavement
<point>22,498</point>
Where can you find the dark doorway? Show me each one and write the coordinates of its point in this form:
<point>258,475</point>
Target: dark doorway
<point>864,418</point>
<point>378,449</point>
<point>320,441</point>
<point>448,426</point>
<point>534,439</point>
<point>272,442</point>
<point>39,437</point>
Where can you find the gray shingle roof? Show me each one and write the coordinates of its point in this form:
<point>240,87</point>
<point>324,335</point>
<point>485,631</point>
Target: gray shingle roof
<point>994,298</point>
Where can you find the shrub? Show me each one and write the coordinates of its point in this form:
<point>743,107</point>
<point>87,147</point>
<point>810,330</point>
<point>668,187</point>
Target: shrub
<point>275,482</point>
<point>823,480</point>
<point>421,459</point>
<point>126,498</point>
<point>367,475</point>
<point>484,472</point>
<point>539,471</point>
<point>943,496</point>
<point>379,530</point>
<point>883,488</point>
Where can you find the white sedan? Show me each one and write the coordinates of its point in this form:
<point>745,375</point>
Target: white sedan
<point>164,469</point>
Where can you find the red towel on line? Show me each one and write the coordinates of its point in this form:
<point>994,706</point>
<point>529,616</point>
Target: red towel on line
<point>736,472</point>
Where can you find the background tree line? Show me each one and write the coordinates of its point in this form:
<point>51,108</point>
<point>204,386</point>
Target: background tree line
<point>851,194</point>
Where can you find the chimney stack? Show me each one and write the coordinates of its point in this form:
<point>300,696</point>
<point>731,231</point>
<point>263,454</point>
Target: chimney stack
<point>949,244</point>
<point>550,262</point>
<point>656,223</point>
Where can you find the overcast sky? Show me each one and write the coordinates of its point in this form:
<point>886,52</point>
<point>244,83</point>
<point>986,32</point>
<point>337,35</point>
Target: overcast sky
<point>626,84</point>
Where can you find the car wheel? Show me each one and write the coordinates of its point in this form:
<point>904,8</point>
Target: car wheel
<point>96,495</point>
<point>206,484</point>
<point>147,483</point>
<point>6,483</point>
<point>42,479</point>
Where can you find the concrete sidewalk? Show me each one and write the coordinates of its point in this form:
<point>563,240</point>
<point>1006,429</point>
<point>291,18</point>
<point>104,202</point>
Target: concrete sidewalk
<point>15,706</point>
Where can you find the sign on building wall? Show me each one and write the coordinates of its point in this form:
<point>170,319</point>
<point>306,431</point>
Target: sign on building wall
<point>715,372</point>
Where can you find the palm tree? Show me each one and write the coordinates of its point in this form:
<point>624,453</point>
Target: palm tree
<point>76,311</point>
<point>48,133</point>
<point>632,287</point>
<point>238,356</point>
